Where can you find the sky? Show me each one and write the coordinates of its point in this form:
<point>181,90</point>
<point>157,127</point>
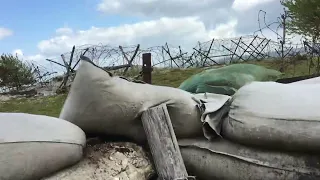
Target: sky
<point>37,29</point>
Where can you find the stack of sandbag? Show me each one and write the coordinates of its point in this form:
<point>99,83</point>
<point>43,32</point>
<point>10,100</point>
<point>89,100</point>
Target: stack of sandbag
<point>271,131</point>
<point>221,159</point>
<point>101,103</point>
<point>34,146</point>
<point>275,116</point>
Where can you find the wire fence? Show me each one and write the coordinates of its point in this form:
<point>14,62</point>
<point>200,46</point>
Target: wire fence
<point>210,53</point>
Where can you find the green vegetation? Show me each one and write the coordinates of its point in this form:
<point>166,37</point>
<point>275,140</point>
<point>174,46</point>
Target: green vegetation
<point>51,106</point>
<point>304,17</point>
<point>14,73</point>
<point>173,77</point>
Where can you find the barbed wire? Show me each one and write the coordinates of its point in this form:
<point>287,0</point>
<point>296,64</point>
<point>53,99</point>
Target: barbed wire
<point>256,46</point>
<point>215,51</point>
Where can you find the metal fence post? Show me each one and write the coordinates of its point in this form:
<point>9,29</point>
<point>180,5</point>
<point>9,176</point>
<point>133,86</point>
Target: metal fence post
<point>146,67</point>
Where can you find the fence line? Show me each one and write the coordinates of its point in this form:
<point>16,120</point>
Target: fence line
<point>204,54</point>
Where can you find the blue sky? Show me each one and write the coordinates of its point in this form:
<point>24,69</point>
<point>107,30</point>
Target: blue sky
<point>37,34</point>
<point>35,20</point>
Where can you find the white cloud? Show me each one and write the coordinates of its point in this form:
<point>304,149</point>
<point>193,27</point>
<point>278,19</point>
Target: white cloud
<point>64,30</point>
<point>225,30</point>
<point>209,11</point>
<point>17,52</point>
<point>290,39</point>
<point>22,56</point>
<point>160,7</point>
<point>36,58</point>
<point>39,61</point>
<point>178,22</point>
<point>184,31</point>
<point>4,32</point>
<point>244,5</point>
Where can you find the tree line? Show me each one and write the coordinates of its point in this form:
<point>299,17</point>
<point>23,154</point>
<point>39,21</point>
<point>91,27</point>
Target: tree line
<point>303,18</point>
<point>15,73</point>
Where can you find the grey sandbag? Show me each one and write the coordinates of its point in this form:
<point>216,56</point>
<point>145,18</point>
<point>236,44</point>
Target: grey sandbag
<point>224,160</point>
<point>34,146</point>
<point>275,116</point>
<point>214,108</point>
<point>100,103</point>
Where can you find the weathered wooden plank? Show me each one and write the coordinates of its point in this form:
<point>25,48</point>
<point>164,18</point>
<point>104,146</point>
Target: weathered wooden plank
<point>163,144</point>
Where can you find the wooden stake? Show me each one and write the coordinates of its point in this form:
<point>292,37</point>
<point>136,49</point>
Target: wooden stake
<point>163,144</point>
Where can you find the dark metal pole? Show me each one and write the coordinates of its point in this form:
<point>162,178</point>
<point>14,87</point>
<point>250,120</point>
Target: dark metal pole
<point>146,67</point>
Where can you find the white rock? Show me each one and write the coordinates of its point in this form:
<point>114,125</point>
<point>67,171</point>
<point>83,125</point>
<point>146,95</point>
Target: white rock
<point>129,162</point>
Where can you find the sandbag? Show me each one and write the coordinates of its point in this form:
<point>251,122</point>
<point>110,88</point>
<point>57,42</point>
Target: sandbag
<point>214,108</point>
<point>100,103</point>
<point>224,160</point>
<point>34,146</point>
<point>228,79</point>
<point>112,160</point>
<point>274,115</point>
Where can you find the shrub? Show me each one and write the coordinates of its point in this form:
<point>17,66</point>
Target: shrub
<point>300,57</point>
<point>14,73</point>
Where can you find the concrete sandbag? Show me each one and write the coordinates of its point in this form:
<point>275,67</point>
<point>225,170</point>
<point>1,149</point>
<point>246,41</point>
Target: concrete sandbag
<point>100,103</point>
<point>34,146</point>
<point>225,160</point>
<point>109,161</point>
<point>275,116</point>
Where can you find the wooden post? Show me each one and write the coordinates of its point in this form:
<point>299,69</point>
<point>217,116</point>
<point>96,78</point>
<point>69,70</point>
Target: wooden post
<point>163,144</point>
<point>146,67</point>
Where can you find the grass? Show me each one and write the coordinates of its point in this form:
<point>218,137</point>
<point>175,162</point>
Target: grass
<point>51,106</point>
<point>173,77</point>
<point>300,69</point>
